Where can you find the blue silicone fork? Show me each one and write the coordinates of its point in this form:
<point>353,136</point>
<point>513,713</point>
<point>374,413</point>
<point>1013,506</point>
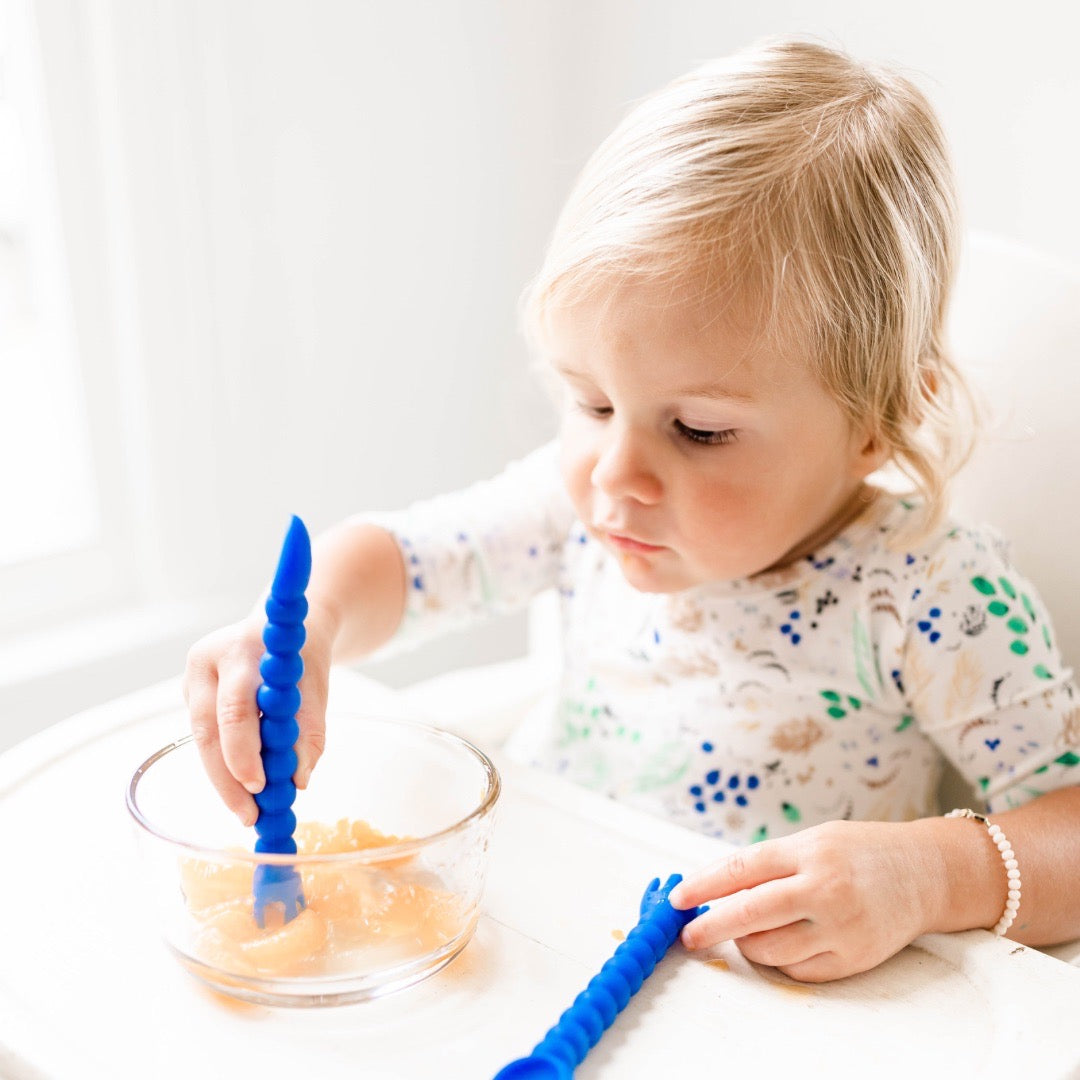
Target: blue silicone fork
<point>594,1010</point>
<point>278,699</point>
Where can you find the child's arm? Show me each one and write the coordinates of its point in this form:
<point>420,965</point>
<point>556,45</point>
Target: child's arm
<point>1045,837</point>
<point>356,597</point>
<point>470,554</point>
<point>842,897</point>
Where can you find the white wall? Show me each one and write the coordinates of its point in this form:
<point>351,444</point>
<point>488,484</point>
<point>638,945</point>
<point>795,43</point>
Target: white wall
<point>1003,77</point>
<point>316,223</point>
<point>299,231</point>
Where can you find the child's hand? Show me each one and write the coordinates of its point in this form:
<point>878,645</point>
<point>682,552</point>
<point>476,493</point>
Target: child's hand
<point>831,901</point>
<point>220,681</point>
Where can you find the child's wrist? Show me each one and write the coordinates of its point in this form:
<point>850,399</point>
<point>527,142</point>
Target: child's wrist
<point>965,884</point>
<point>323,624</point>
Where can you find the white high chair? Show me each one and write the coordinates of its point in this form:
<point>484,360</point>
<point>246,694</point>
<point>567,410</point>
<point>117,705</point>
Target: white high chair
<point>1015,327</point>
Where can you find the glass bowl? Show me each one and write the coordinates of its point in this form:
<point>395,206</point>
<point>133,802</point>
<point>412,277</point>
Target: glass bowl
<point>393,840</point>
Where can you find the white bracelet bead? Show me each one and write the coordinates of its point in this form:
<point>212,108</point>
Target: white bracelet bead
<point>1012,868</point>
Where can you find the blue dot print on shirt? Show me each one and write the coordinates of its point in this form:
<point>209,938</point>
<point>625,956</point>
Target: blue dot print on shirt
<point>927,625</point>
<point>714,787</point>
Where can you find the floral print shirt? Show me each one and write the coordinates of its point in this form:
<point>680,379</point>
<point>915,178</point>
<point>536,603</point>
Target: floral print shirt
<point>834,688</point>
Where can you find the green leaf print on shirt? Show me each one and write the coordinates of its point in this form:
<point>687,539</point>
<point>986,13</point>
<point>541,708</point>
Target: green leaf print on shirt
<point>865,660</point>
<point>836,703</point>
<point>1068,759</point>
<point>589,717</point>
<point>664,767</point>
<point>1016,623</point>
<point>576,732</point>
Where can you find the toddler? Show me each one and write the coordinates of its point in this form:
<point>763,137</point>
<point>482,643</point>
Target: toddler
<point>743,312</point>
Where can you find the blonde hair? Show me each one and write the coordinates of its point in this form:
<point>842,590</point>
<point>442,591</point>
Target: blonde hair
<point>822,186</point>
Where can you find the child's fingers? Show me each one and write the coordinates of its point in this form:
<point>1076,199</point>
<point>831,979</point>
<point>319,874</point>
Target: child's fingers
<point>238,723</point>
<point>201,697</point>
<point>786,945</point>
<point>312,721</point>
<point>742,869</point>
<point>753,911</point>
<point>824,967</point>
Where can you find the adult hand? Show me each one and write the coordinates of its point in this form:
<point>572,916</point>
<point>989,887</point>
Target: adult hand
<point>220,682</point>
<point>833,900</point>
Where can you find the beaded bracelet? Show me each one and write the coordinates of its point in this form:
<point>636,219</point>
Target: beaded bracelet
<point>1012,868</point>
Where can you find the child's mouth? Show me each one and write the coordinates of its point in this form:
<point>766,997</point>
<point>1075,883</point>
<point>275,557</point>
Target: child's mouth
<point>628,543</point>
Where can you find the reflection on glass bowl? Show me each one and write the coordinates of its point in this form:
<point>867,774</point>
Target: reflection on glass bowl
<point>393,849</point>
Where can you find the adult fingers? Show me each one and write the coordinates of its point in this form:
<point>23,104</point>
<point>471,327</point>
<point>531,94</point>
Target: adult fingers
<point>765,907</point>
<point>742,869</point>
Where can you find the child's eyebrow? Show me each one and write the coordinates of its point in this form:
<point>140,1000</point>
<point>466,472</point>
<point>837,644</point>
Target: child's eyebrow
<point>715,391</point>
<point>571,372</point>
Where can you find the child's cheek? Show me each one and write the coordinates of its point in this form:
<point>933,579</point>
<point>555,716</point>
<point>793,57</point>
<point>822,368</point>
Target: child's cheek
<point>576,464</point>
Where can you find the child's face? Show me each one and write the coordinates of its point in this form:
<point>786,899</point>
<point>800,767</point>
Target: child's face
<point>693,450</point>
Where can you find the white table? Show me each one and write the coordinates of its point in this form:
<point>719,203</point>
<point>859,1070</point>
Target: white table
<point>87,990</point>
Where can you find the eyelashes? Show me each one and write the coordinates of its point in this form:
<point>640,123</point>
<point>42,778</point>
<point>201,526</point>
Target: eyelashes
<point>699,436</point>
<point>705,438</point>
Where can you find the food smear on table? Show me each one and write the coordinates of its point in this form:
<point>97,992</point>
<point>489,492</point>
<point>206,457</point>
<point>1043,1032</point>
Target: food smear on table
<point>357,913</point>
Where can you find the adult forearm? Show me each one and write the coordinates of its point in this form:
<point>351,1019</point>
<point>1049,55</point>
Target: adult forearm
<point>971,878</point>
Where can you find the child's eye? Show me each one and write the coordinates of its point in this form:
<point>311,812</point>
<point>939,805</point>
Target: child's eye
<point>596,411</point>
<point>705,438</point>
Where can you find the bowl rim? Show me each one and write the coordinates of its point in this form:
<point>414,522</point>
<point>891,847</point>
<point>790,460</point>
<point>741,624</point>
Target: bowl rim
<point>493,789</point>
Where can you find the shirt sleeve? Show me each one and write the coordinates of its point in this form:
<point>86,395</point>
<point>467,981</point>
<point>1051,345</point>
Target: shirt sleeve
<point>481,551</point>
<point>983,673</point>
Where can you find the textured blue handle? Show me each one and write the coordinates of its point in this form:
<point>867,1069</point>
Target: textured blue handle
<point>278,699</point>
<point>579,1029</point>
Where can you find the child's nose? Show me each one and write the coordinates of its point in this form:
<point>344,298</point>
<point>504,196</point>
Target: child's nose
<point>624,468</point>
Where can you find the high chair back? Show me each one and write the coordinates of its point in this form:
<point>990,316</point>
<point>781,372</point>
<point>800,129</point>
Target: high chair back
<point>1015,327</point>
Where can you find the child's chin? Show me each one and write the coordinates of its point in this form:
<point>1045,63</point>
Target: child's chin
<point>642,574</point>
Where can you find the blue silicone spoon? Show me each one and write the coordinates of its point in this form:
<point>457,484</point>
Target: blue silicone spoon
<point>594,1010</point>
<point>278,699</point>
